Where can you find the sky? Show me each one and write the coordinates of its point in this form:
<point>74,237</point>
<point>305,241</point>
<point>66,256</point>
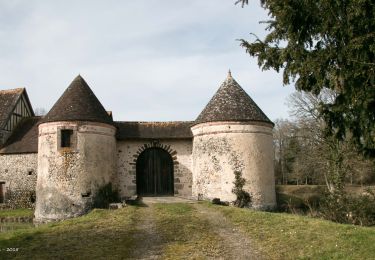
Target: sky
<point>146,60</point>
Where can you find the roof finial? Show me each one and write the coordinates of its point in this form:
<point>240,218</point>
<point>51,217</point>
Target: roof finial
<point>229,74</point>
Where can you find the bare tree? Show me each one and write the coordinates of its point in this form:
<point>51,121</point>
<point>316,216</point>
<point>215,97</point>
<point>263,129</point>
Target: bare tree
<point>284,132</point>
<point>320,153</point>
<point>40,111</point>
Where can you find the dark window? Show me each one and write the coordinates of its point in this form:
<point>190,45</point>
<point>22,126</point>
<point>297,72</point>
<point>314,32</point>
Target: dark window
<point>66,138</point>
<point>2,191</point>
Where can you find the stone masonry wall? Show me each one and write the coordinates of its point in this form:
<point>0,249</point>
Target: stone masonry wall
<point>69,177</point>
<point>128,152</point>
<point>220,149</point>
<point>19,174</point>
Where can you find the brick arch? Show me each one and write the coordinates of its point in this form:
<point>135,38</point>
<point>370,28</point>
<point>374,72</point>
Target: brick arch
<point>156,144</point>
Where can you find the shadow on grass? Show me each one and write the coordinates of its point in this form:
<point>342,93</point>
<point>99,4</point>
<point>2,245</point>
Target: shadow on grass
<point>138,202</point>
<point>99,234</point>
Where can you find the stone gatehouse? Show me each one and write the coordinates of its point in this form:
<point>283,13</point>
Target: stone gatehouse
<point>58,162</point>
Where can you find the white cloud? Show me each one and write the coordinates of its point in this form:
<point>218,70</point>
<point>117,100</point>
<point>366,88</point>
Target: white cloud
<point>144,59</point>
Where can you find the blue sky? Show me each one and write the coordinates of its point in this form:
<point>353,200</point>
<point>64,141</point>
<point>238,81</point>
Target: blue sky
<point>146,60</point>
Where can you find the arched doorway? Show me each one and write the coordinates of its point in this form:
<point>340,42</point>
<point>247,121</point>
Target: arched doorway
<point>155,173</point>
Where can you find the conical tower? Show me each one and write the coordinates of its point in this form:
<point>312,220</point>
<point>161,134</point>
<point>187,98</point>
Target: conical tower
<point>232,134</point>
<point>76,154</point>
<point>78,103</point>
<point>231,103</point>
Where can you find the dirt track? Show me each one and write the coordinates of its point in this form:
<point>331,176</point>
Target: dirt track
<point>230,243</point>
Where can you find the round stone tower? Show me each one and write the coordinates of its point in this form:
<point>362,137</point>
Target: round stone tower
<point>76,154</point>
<point>231,135</point>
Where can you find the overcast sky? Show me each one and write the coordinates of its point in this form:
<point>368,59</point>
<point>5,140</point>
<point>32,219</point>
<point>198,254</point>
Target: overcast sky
<point>146,60</point>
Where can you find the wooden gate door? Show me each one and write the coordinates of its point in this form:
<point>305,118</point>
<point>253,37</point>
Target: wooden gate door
<point>154,173</point>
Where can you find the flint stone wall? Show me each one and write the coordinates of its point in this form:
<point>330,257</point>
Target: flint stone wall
<point>19,174</point>
<point>222,148</point>
<point>69,178</point>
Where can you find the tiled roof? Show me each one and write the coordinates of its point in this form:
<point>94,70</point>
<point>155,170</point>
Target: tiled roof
<point>153,130</point>
<point>231,103</point>
<point>24,138</point>
<point>8,100</point>
<point>78,103</point>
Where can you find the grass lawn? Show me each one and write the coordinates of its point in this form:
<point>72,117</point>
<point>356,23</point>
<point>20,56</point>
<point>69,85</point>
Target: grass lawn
<point>16,213</point>
<point>176,231</point>
<point>287,236</point>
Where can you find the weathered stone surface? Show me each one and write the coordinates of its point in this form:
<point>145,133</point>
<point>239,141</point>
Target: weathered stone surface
<point>220,149</point>
<point>133,148</point>
<point>18,173</point>
<point>117,205</point>
<point>68,178</point>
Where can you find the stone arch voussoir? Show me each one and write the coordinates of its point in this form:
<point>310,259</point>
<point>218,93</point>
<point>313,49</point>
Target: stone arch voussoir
<point>167,148</point>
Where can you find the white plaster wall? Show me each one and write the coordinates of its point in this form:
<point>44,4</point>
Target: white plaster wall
<point>129,150</point>
<point>221,148</point>
<point>68,178</point>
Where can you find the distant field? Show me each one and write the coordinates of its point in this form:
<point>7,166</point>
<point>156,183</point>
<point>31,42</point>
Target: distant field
<point>297,195</point>
<point>302,190</point>
<point>189,231</point>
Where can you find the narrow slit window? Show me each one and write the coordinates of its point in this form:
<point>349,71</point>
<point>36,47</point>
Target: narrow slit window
<point>2,192</point>
<point>66,137</point>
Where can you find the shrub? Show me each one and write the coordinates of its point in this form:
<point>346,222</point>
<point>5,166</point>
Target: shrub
<point>290,203</point>
<point>344,208</point>
<point>243,198</point>
<point>217,201</point>
<point>104,196</point>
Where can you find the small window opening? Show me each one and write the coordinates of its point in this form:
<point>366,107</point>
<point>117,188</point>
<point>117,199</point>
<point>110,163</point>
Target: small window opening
<point>32,198</point>
<point>66,137</point>
<point>2,192</point>
<point>85,195</point>
<point>30,173</point>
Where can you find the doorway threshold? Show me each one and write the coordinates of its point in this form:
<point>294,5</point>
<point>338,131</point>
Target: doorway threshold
<point>166,199</point>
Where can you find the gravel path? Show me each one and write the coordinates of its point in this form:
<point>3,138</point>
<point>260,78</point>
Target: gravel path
<point>149,244</point>
<point>237,245</point>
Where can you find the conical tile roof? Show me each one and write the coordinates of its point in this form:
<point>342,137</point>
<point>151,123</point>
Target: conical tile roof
<point>231,103</point>
<point>78,103</point>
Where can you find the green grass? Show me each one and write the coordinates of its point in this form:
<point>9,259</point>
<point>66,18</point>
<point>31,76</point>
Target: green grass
<point>16,213</point>
<point>182,232</point>
<point>185,234</point>
<point>286,236</point>
<point>96,234</point>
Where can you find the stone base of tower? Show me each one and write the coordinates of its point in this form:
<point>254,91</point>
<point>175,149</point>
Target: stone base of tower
<point>59,206</point>
<point>222,148</point>
<point>71,173</point>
